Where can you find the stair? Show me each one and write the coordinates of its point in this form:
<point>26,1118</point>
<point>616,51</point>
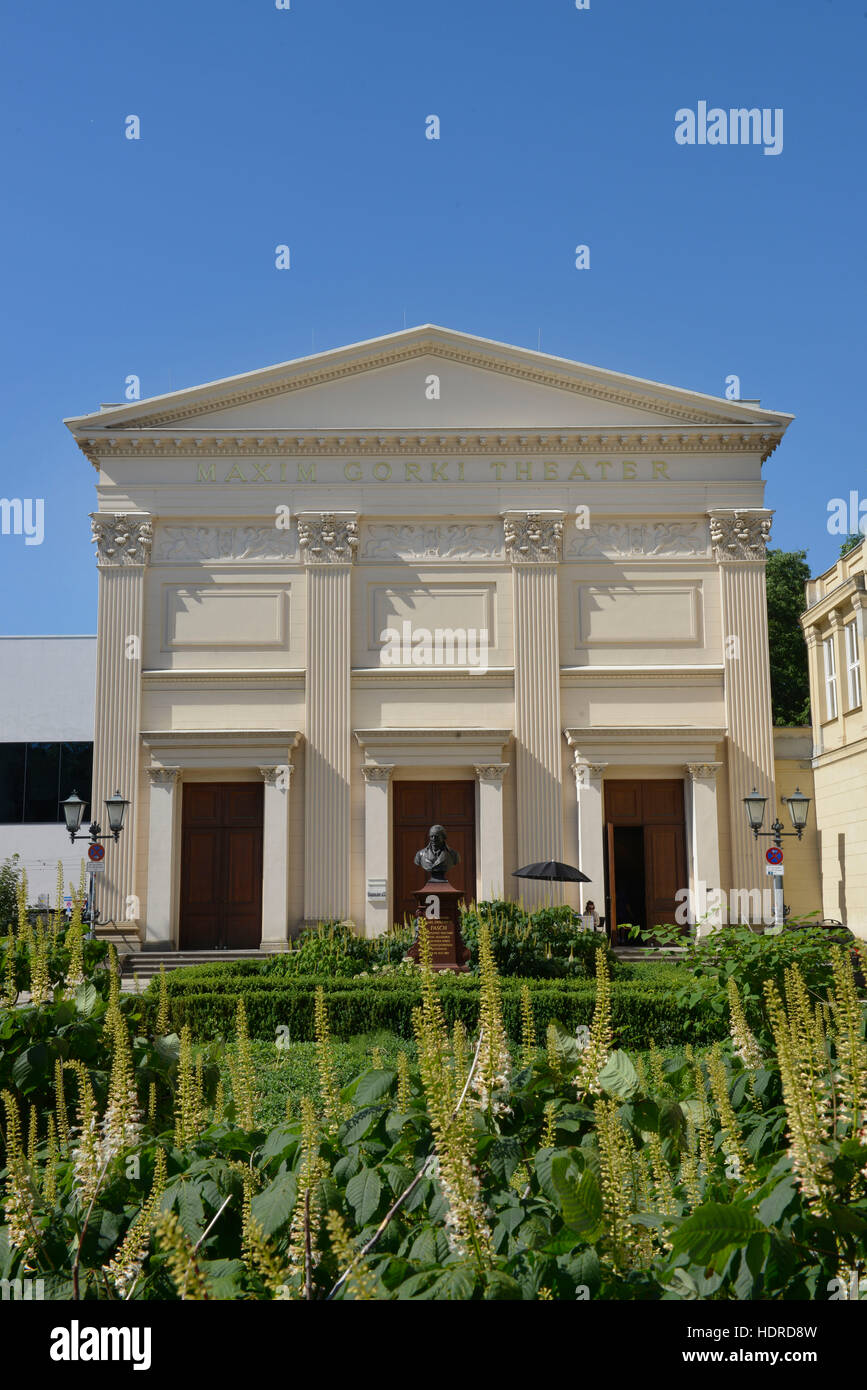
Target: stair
<point>146,964</point>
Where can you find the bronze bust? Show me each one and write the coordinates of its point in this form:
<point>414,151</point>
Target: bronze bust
<point>436,857</point>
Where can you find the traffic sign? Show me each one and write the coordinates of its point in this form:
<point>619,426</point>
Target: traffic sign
<point>96,853</point>
<point>96,867</point>
<point>774,855</point>
<point>776,870</point>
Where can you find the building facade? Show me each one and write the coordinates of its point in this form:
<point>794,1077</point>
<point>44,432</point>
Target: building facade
<point>834,628</point>
<point>46,748</point>
<point>427,579</point>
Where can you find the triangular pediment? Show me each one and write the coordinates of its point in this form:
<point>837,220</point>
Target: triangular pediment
<point>432,379</point>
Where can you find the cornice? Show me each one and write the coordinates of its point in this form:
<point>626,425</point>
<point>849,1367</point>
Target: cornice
<point>673,675</point>
<point>657,734</point>
<point>223,738</point>
<point>690,438</point>
<point>170,678</point>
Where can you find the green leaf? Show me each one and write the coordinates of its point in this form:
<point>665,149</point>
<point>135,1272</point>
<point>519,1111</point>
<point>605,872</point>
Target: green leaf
<point>346,1167</point>
<point>544,1159</point>
<point>86,999</point>
<point>363,1193</point>
<point>714,1227</point>
<point>273,1207</point>
<point>429,1247</point>
<point>372,1086</point>
<point>584,1268</point>
<point>580,1202</point>
<point>771,1209</point>
<point>191,1212</point>
<point>399,1177</point>
<point>618,1077</point>
<point>168,1046</point>
<point>357,1125</point>
<point>502,1287</point>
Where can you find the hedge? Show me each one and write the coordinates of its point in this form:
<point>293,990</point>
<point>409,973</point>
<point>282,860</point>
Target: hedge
<point>640,1013</point>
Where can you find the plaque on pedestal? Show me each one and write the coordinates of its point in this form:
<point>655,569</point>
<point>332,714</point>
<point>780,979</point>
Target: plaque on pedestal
<point>448,951</point>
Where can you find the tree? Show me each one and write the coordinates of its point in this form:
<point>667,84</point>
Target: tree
<point>787,573</point>
<point>10,873</point>
<point>850,543</point>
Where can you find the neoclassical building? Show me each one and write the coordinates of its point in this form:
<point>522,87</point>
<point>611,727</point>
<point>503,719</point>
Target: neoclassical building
<point>835,630</point>
<point>426,578</point>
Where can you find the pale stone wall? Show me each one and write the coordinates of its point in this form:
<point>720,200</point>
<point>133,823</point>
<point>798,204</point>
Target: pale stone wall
<point>837,600</point>
<point>608,645</point>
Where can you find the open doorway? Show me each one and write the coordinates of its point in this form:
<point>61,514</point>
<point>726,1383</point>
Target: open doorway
<point>646,852</point>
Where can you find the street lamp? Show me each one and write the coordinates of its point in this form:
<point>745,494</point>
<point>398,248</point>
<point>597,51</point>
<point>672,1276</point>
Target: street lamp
<point>73,813</point>
<point>799,806</point>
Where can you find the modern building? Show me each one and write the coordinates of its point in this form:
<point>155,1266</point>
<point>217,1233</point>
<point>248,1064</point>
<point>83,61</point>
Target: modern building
<point>834,628</point>
<point>427,578</point>
<point>46,753</point>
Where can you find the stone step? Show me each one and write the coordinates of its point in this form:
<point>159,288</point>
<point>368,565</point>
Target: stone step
<point>146,964</point>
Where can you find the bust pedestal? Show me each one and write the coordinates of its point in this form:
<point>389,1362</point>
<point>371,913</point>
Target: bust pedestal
<point>448,951</point>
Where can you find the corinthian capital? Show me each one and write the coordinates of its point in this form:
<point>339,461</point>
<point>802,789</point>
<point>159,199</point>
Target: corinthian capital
<point>739,535</point>
<point>122,539</point>
<point>533,538</point>
<point>328,538</point>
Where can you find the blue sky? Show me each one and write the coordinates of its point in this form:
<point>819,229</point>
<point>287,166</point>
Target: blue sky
<point>306,126</point>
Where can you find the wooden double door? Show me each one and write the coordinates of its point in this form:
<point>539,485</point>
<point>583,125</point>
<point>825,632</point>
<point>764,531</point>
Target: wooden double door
<point>646,844</point>
<point>221,866</point>
<point>416,806</point>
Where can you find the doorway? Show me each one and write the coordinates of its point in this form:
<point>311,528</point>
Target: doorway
<point>416,806</point>
<point>646,858</point>
<point>221,866</point>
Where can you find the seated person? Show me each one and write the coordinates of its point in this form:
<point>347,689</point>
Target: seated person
<point>591,916</point>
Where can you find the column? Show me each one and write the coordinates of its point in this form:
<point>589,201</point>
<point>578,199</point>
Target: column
<point>160,930</point>
<point>377,848</point>
<point>739,540</point>
<point>702,841</point>
<point>817,685</point>
<point>123,546</point>
<point>491,869</point>
<point>275,857</point>
<point>835,632</point>
<point>591,831</point>
<point>328,542</point>
<point>533,542</point>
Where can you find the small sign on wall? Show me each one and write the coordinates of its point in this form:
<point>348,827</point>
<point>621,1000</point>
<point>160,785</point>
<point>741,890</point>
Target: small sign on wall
<point>377,888</point>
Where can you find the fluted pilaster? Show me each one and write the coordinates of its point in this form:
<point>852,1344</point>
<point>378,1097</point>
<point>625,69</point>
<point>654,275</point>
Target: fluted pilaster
<point>533,543</point>
<point>739,539</point>
<point>123,551</point>
<point>328,542</point>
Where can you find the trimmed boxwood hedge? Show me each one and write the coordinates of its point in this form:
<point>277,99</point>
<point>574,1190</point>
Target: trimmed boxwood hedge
<point>640,1013</point>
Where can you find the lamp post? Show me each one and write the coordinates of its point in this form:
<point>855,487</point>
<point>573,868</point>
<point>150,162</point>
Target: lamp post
<point>73,813</point>
<point>799,806</point>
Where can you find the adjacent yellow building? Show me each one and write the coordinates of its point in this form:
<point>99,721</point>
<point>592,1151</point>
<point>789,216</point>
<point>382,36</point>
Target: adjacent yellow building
<point>834,630</point>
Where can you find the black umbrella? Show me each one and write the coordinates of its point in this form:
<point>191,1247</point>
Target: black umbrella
<point>552,869</point>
